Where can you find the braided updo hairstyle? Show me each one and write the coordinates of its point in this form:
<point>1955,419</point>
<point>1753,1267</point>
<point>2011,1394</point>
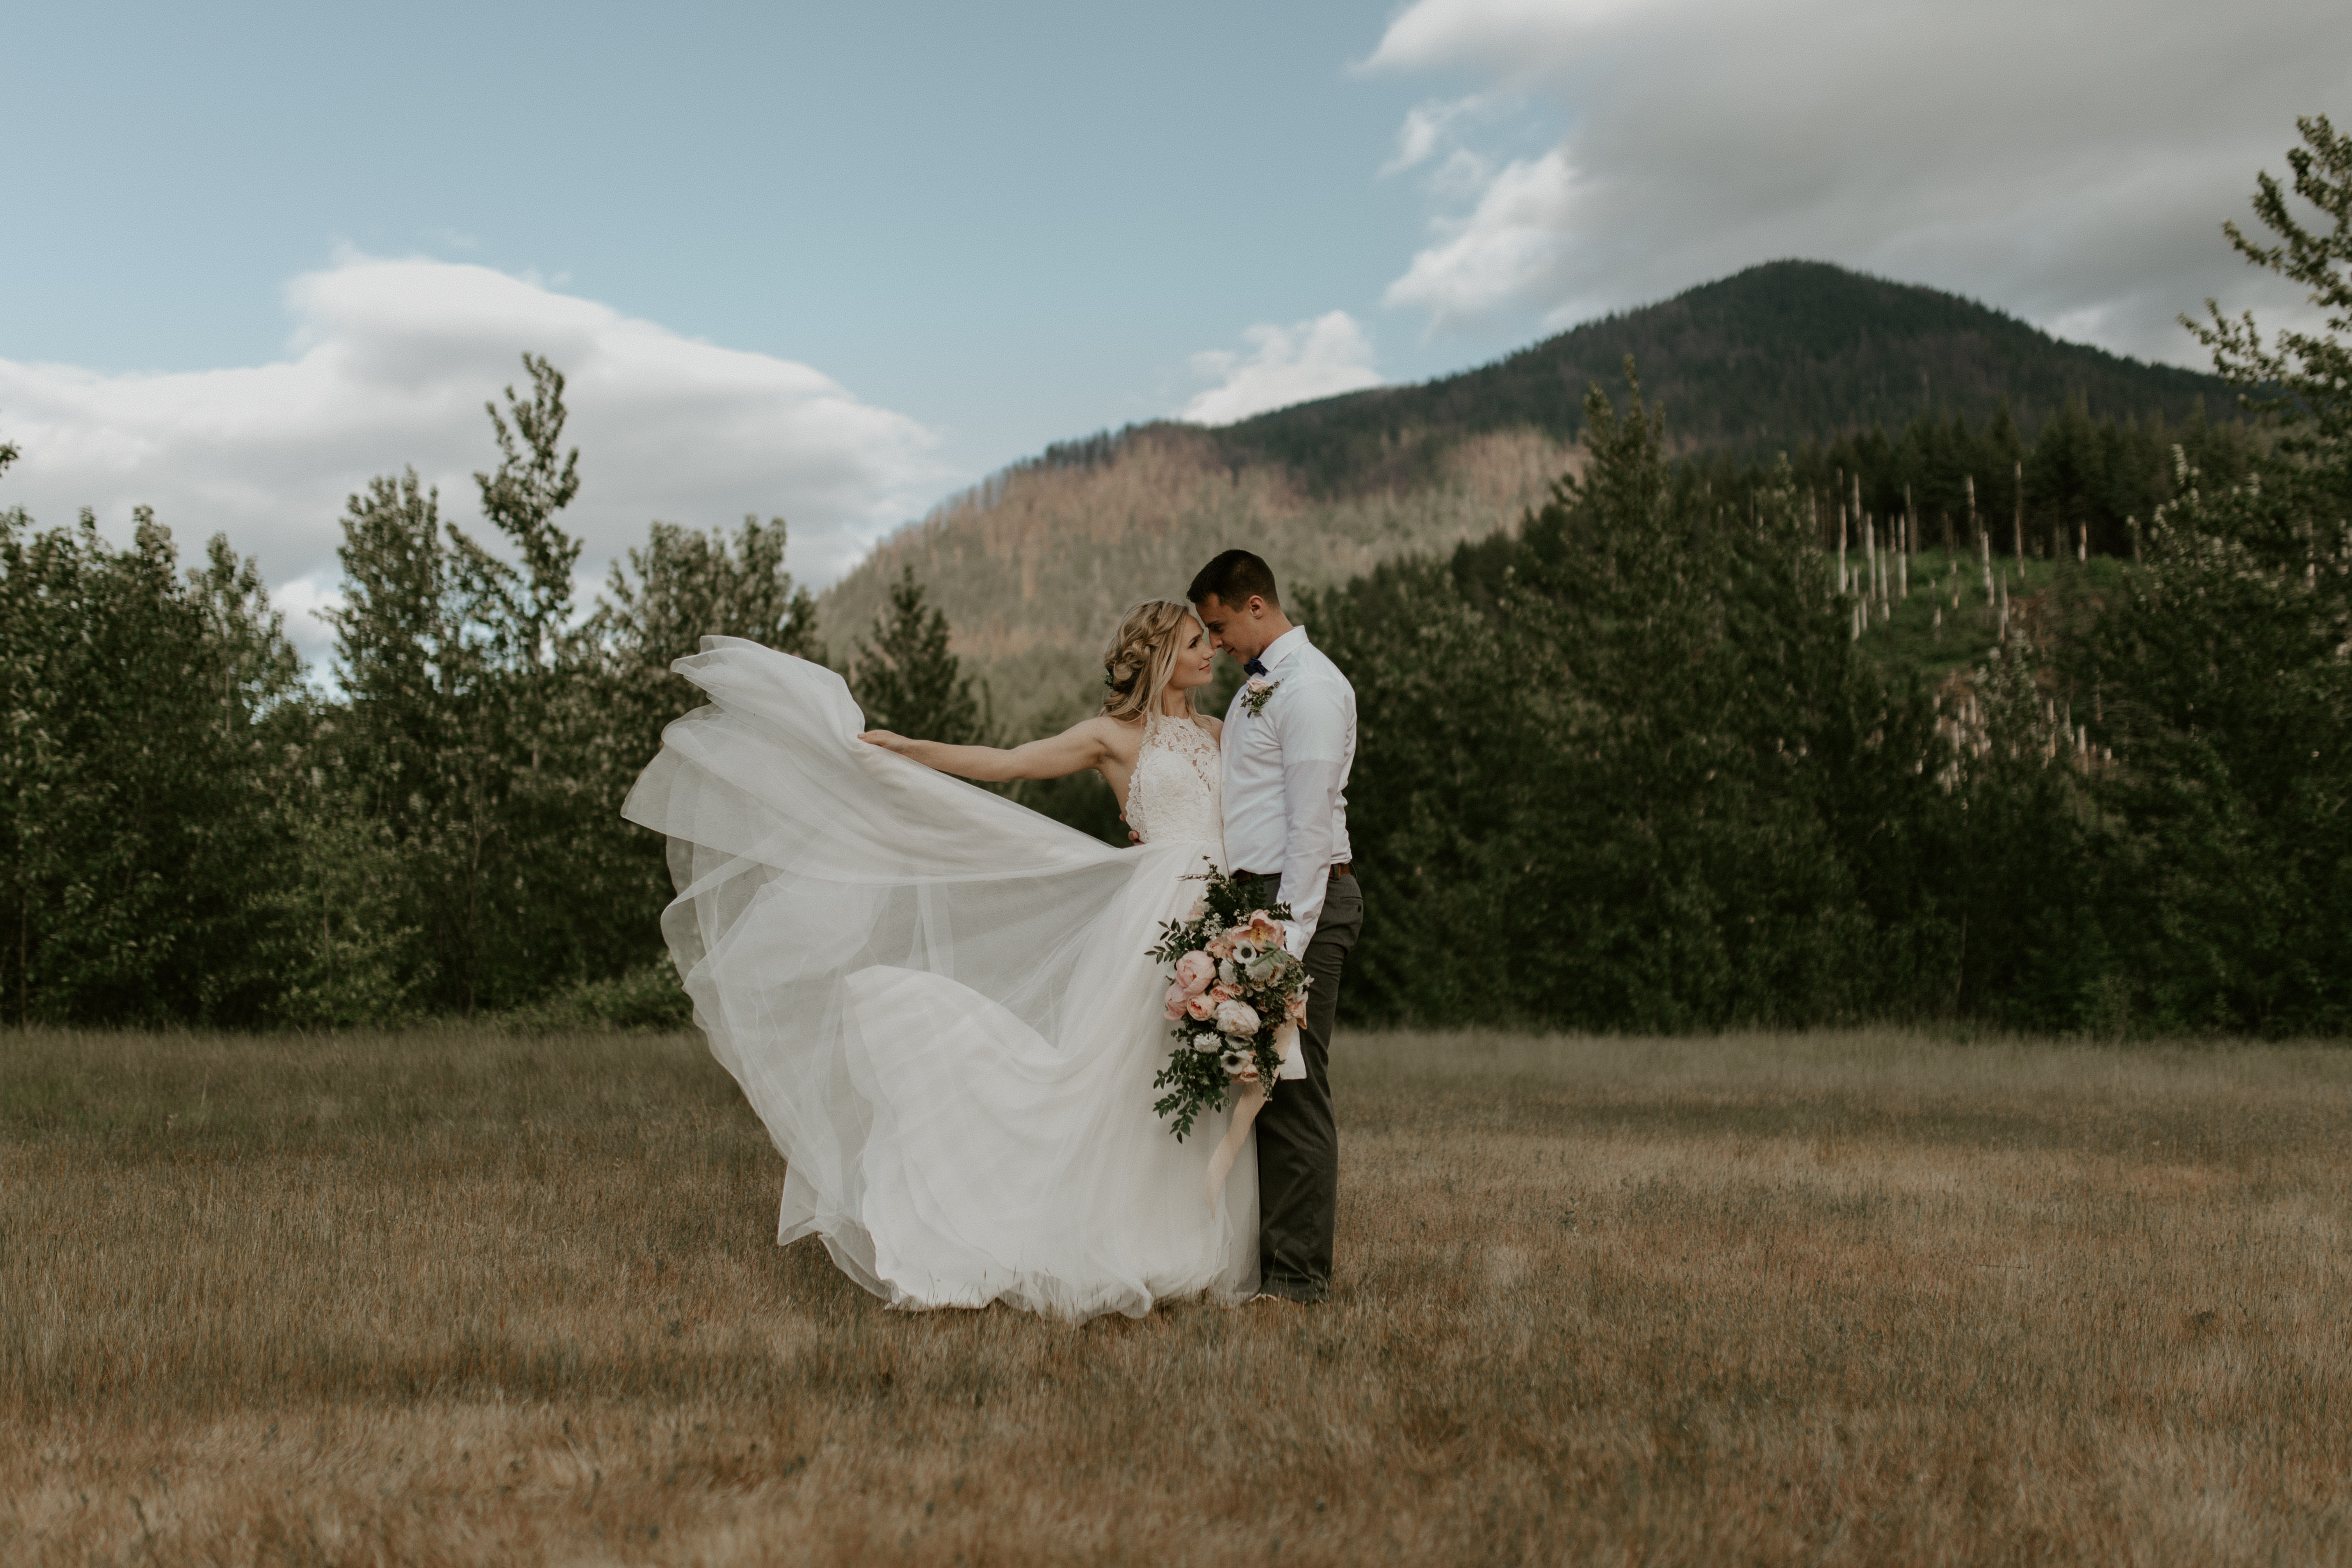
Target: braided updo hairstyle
<point>1141,654</point>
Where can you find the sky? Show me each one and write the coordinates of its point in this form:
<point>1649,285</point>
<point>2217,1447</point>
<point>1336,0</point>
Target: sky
<point>835,263</point>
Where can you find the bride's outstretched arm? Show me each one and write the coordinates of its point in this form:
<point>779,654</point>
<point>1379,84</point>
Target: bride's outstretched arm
<point>1082,746</point>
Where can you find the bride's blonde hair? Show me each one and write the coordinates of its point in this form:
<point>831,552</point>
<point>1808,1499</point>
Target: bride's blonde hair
<point>1141,655</point>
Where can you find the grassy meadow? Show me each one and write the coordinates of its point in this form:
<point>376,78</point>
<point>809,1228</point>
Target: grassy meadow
<point>460,1296</point>
<point>1946,625</point>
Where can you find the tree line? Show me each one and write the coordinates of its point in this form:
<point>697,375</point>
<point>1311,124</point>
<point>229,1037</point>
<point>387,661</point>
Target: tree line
<point>192,832</point>
<point>1631,767</point>
<point>2082,484</point>
<point>1624,766</point>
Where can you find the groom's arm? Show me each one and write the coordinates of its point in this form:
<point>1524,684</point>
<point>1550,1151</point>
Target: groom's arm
<point>1314,731</point>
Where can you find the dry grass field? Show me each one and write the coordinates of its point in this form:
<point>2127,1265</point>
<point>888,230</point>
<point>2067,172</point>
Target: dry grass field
<point>1831,1299</point>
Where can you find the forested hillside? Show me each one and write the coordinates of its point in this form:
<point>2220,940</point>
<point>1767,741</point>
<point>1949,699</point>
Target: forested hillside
<point>1033,568</point>
<point>1890,400</point>
<point>1757,362</point>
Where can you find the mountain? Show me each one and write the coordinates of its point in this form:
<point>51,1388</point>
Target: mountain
<point>1034,565</point>
<point>1759,361</point>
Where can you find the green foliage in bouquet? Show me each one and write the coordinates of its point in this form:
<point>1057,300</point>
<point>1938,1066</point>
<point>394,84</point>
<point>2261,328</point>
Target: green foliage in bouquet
<point>1235,996</point>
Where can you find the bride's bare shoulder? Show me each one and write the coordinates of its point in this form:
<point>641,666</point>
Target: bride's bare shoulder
<point>1215,726</point>
<point>1120,737</point>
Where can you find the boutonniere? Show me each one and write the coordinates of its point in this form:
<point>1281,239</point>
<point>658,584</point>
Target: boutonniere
<point>1255,694</point>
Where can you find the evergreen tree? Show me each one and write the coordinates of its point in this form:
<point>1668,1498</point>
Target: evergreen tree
<point>1626,771</point>
<point>2222,679</point>
<point>2066,480</point>
<point>906,680</point>
<point>532,741</point>
<point>524,609</point>
<point>2300,383</point>
<point>136,778</point>
<point>685,585</point>
<point>460,743</point>
<point>400,653</point>
<point>659,603</point>
<point>410,751</point>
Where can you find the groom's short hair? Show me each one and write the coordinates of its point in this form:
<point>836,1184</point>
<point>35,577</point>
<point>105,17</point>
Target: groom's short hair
<point>1233,577</point>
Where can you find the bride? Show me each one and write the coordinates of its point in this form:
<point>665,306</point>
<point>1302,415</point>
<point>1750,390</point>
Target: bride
<point>939,1002</point>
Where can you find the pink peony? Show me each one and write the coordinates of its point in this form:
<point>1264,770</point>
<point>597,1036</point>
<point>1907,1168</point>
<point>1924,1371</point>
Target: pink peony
<point>1222,992</point>
<point>1265,930</point>
<point>1194,971</point>
<point>1203,1007</point>
<point>1236,1018</point>
<point>1176,1000</point>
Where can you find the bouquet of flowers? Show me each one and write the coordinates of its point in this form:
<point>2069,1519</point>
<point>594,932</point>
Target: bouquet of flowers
<point>1236,998</point>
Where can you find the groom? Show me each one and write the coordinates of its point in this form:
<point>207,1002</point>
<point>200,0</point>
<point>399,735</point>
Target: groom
<point>1289,741</point>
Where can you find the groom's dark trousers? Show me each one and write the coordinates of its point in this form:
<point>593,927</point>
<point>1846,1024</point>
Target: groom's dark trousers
<point>1298,1142</point>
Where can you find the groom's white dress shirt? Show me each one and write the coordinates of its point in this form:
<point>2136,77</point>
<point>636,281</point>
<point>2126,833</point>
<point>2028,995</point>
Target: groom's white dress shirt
<point>1286,776</point>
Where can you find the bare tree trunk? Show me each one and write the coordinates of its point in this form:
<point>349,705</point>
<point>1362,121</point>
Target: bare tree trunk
<point>1902,561</point>
<point>1845,579</point>
<point>2021,520</point>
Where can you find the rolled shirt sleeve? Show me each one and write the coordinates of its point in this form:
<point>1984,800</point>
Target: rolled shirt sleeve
<point>1315,731</point>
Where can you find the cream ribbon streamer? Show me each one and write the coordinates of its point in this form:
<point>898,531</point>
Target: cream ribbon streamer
<point>1246,1105</point>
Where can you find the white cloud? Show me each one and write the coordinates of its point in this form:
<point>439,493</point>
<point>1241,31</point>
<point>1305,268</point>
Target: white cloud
<point>390,365</point>
<point>1425,124</point>
<point>1320,358</point>
<point>1514,246</point>
<point>2070,163</point>
<point>1515,40</point>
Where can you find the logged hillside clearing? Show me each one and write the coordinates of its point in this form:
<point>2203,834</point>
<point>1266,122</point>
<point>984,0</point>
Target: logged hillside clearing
<point>1033,568</point>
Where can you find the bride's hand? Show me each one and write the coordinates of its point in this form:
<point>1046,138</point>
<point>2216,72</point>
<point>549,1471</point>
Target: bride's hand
<point>886,740</point>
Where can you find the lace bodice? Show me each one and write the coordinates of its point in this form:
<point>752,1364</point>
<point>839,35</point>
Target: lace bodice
<point>1178,790</point>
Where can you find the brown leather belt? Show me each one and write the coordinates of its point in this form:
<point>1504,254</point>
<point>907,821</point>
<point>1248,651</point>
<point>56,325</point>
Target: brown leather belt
<point>1339,869</point>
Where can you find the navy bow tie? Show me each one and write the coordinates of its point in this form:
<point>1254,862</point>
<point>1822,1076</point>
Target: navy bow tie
<point>1254,667</point>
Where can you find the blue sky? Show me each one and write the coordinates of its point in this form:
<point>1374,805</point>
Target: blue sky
<point>1016,224</point>
<point>839,261</point>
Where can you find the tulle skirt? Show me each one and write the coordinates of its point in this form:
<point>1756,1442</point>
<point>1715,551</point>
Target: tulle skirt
<point>940,1004</point>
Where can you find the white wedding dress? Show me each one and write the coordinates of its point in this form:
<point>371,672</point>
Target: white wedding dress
<point>941,1004</point>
